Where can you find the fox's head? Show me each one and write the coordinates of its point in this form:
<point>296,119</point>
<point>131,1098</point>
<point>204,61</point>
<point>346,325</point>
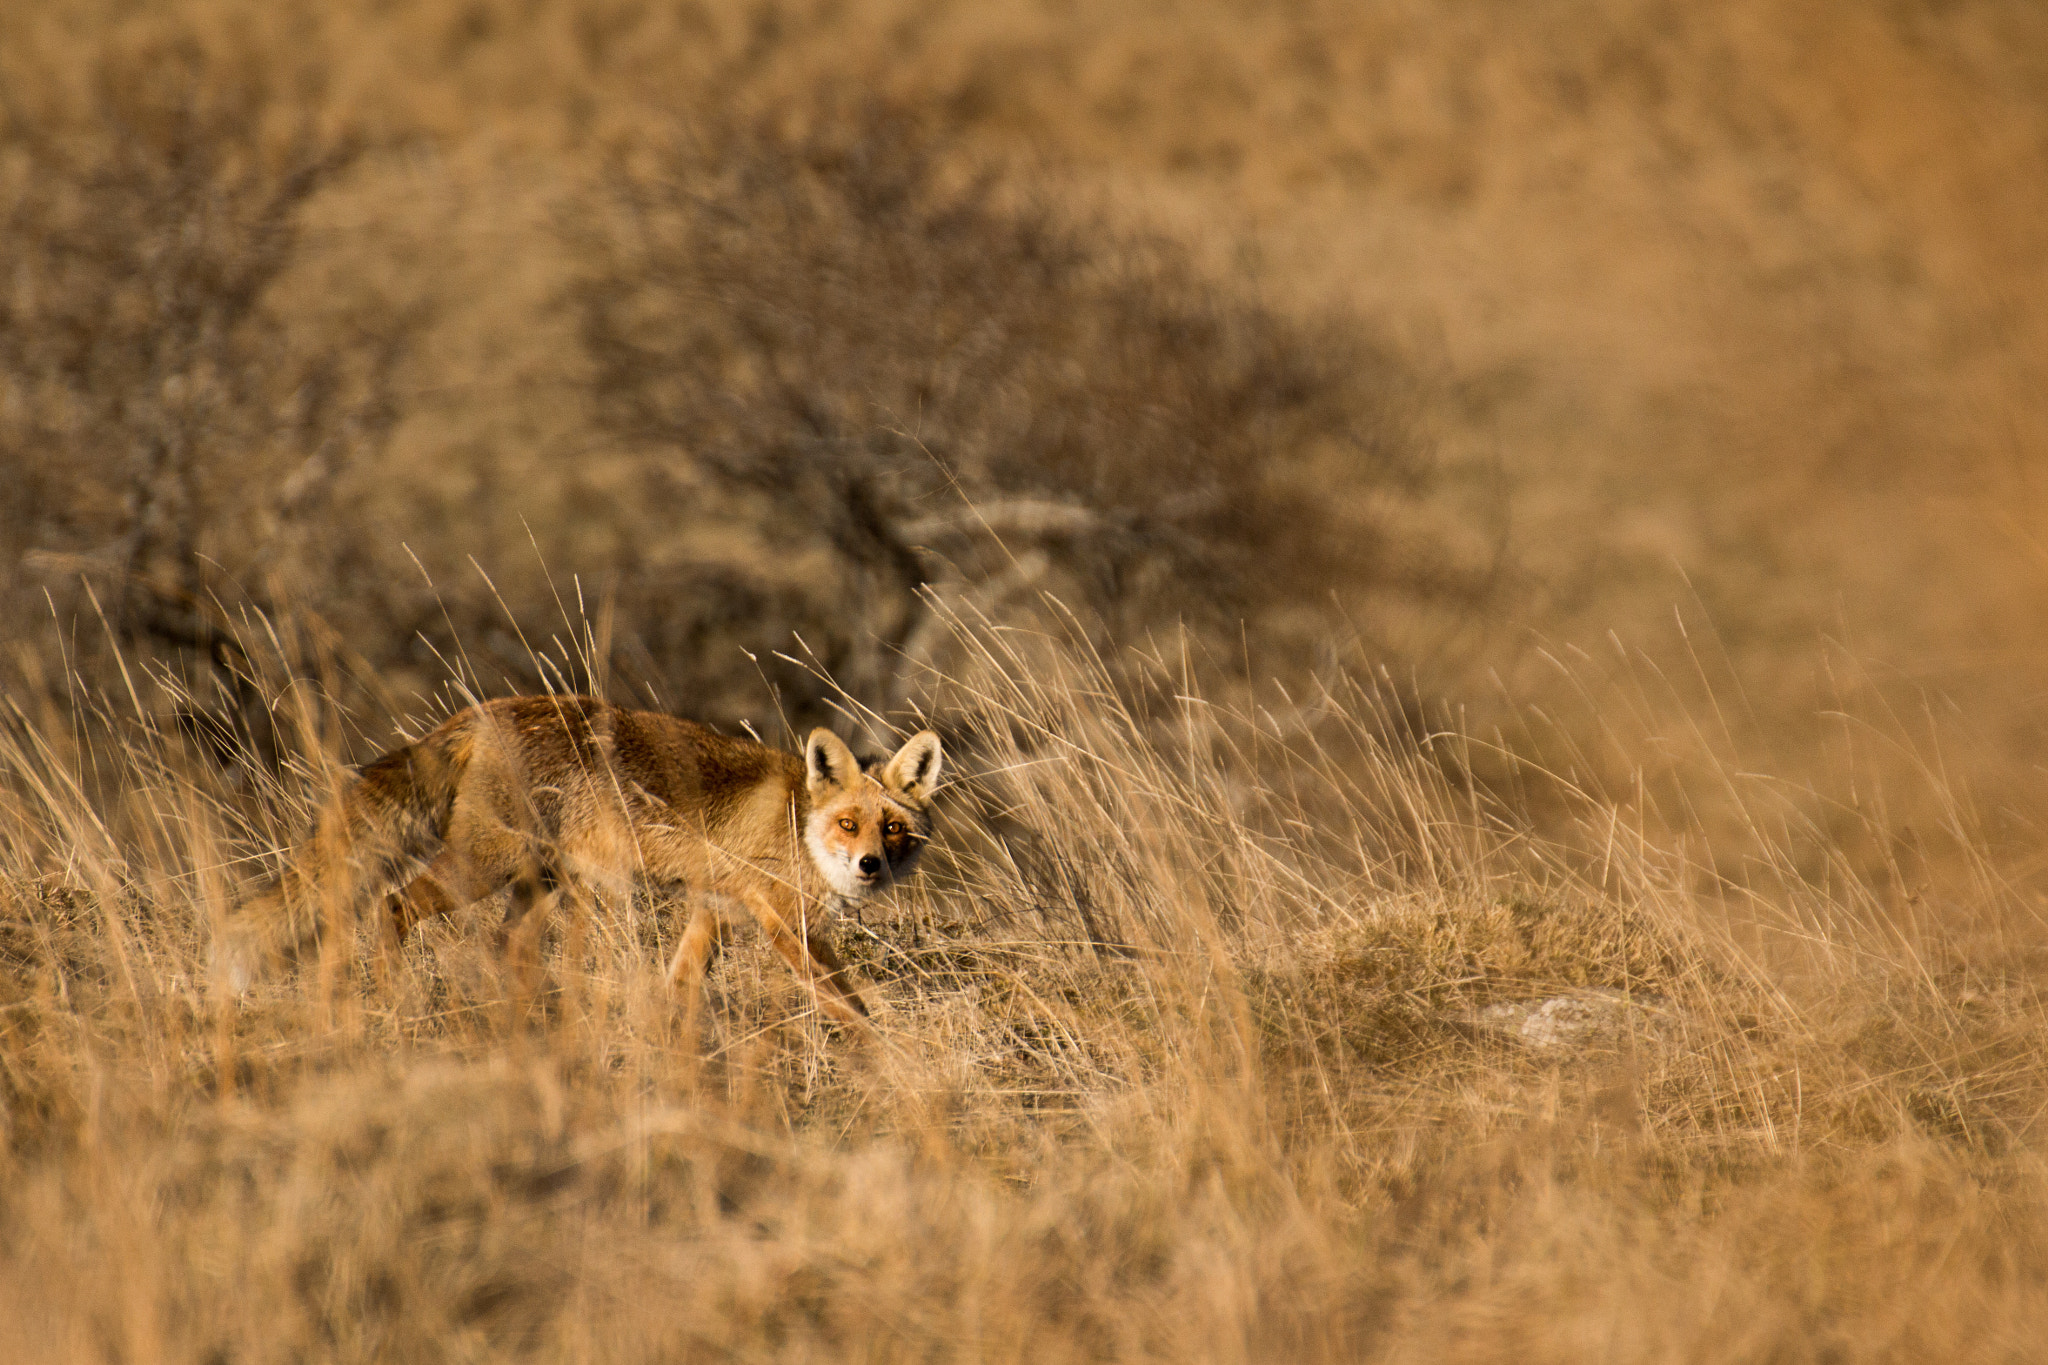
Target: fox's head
<point>867,826</point>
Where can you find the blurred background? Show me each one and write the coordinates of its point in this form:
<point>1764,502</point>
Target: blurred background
<point>1650,379</point>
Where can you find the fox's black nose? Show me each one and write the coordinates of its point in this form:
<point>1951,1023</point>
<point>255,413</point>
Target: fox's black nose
<point>870,865</point>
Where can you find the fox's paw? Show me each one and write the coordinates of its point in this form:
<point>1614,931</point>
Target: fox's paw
<point>236,962</point>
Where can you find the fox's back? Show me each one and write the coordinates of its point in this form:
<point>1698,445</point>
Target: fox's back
<point>570,751</point>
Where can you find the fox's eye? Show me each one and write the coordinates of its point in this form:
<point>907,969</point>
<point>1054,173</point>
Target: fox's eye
<point>893,828</point>
<point>849,824</point>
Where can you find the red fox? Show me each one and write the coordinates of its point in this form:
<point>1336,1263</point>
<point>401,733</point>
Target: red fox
<point>530,791</point>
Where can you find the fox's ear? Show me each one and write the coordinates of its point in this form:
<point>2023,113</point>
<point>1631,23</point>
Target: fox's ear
<point>914,770</point>
<point>828,763</point>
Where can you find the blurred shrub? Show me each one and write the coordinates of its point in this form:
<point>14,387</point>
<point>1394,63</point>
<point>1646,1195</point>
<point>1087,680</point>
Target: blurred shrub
<point>837,379</point>
<point>916,384</point>
<point>166,426</point>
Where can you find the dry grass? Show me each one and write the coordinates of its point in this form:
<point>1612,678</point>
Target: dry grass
<point>1183,1057</point>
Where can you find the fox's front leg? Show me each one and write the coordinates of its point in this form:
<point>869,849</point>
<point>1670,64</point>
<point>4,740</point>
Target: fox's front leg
<point>686,969</point>
<point>693,954</point>
<point>816,965</point>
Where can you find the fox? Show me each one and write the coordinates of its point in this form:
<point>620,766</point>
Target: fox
<point>533,791</point>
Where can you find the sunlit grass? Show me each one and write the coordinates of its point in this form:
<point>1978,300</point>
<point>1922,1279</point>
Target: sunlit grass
<point>1183,1054</point>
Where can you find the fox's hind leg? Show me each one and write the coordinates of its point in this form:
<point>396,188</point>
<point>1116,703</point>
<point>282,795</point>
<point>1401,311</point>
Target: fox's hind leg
<point>518,939</point>
<point>480,855</point>
<point>469,869</point>
<point>532,885</point>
